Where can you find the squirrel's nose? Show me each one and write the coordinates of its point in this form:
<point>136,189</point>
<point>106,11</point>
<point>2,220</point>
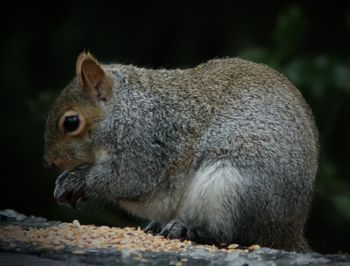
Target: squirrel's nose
<point>47,164</point>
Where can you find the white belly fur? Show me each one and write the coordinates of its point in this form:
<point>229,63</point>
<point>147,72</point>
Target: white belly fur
<point>207,202</point>
<point>210,199</point>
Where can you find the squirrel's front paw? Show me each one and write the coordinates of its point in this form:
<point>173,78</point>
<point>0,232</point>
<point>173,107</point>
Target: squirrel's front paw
<point>71,187</point>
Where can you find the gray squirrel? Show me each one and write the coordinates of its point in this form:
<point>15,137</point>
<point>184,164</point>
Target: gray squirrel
<point>225,152</point>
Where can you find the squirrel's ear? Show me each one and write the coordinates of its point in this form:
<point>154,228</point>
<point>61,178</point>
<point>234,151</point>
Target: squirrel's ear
<point>95,81</point>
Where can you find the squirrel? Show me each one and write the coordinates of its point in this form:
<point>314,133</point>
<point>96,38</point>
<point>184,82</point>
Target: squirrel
<point>225,152</point>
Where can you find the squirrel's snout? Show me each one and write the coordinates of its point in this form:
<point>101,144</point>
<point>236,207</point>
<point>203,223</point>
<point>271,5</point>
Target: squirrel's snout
<point>59,163</point>
<point>47,164</point>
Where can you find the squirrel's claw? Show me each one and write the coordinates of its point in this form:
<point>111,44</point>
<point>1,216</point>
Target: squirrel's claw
<point>153,228</point>
<point>175,229</point>
<point>70,198</point>
<point>70,189</point>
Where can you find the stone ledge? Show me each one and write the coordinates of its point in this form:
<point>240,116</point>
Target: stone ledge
<point>22,253</point>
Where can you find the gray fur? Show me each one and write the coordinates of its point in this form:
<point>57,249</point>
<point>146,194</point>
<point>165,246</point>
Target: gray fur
<point>162,128</point>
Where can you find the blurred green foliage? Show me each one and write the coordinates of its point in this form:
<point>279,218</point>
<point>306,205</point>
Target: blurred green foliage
<point>307,43</point>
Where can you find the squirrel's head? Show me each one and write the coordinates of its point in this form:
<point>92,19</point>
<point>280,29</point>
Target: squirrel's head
<point>75,115</point>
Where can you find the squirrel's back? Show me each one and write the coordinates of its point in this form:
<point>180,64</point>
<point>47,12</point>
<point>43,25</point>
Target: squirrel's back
<point>226,93</point>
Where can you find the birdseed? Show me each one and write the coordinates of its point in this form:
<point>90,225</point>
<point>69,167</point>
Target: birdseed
<point>83,237</point>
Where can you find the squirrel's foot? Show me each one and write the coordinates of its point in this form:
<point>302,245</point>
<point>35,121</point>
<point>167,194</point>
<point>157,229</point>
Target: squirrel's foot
<point>176,229</point>
<point>153,228</point>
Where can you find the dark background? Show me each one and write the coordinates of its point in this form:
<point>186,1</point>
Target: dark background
<point>309,42</point>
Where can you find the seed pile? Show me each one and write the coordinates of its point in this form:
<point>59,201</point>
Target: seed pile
<point>82,237</point>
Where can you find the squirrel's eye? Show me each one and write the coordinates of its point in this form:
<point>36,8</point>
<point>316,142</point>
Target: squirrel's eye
<point>72,123</point>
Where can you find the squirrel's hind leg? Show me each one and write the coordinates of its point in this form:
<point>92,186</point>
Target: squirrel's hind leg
<point>176,229</point>
<point>153,228</point>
